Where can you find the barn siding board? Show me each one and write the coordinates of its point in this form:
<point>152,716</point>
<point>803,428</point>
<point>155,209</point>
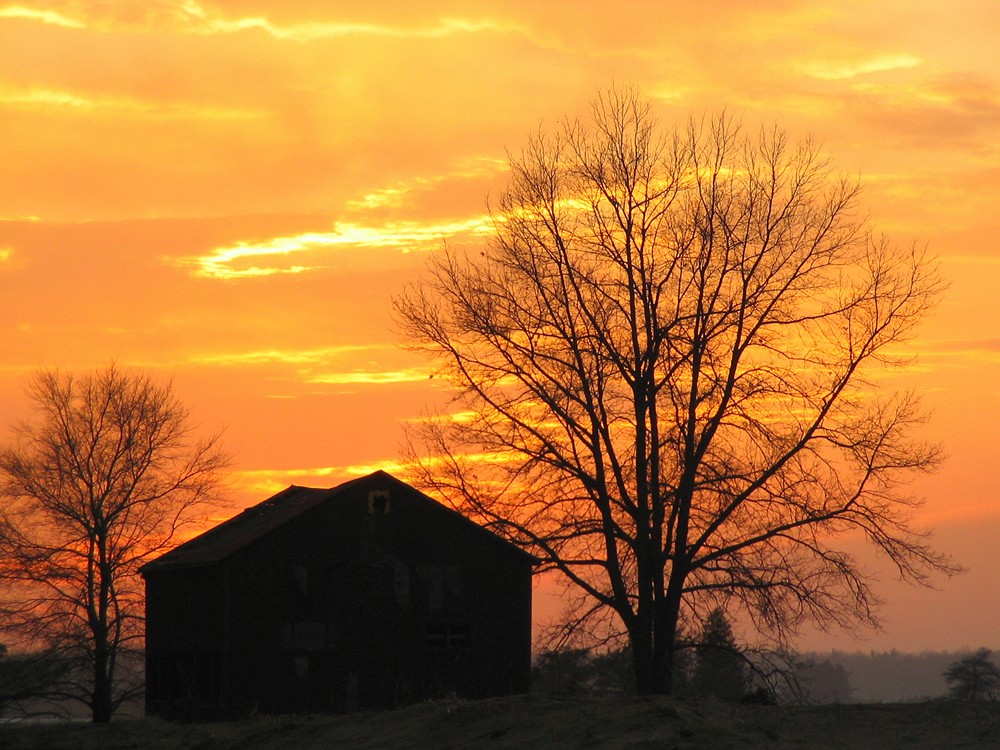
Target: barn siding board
<point>369,595</point>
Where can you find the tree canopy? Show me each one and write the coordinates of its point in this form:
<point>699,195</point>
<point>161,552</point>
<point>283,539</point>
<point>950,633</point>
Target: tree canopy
<point>668,373</point>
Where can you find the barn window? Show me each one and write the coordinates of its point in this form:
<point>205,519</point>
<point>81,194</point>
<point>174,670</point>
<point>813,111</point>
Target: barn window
<point>454,578</point>
<point>435,587</point>
<point>448,635</point>
<point>302,667</point>
<point>401,583</point>
<point>304,636</point>
<point>378,502</point>
<point>185,677</point>
<point>443,581</point>
<point>300,573</point>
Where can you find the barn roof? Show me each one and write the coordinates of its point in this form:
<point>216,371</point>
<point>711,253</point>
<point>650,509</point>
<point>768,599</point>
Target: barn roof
<point>243,529</point>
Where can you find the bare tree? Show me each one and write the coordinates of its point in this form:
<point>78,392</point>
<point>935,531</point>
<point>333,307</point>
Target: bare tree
<point>97,482</point>
<point>669,382</point>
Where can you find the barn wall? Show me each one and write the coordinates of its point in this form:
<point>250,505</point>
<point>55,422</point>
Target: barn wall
<point>364,603</point>
<point>185,642</point>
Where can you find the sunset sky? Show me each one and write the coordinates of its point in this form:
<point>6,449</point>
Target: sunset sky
<point>230,193</point>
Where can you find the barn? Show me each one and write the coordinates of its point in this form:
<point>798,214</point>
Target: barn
<point>366,595</point>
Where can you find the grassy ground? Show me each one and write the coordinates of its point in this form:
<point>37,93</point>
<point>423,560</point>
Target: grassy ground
<point>540,722</point>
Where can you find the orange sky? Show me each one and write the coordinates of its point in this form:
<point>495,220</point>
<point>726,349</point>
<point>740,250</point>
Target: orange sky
<point>230,193</point>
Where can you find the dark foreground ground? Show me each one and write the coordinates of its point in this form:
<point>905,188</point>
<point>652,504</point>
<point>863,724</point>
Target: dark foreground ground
<point>539,722</point>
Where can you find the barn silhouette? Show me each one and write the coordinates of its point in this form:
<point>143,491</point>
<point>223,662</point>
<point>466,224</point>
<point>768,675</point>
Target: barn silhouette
<point>365,595</point>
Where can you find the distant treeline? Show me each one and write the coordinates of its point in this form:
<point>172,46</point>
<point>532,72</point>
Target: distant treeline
<point>877,676</point>
<point>821,677</point>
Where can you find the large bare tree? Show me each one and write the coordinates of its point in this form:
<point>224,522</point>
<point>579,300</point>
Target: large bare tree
<point>670,369</point>
<point>100,479</point>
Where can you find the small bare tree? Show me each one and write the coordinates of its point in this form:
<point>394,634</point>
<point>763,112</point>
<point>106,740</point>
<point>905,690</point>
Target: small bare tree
<point>668,367</point>
<point>96,483</point>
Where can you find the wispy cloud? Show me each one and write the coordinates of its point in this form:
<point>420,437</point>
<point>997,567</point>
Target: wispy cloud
<point>50,17</point>
<point>262,482</point>
<point>971,260</point>
<point>68,100</point>
<point>370,377</point>
<point>307,32</point>
<point>376,364</point>
<point>291,357</point>
<point>238,261</point>
<point>269,481</point>
<point>398,193</point>
<point>206,21</point>
<point>979,347</point>
<point>837,70</point>
<point>194,17</point>
<point>948,355</point>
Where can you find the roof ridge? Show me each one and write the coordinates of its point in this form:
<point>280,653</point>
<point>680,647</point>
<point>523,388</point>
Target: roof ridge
<point>256,521</point>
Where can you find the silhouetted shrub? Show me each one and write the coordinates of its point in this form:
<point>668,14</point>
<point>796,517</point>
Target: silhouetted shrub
<point>26,678</point>
<point>584,672</point>
<point>974,678</point>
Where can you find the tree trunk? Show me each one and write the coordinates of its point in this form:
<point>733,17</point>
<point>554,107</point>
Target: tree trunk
<point>664,640</point>
<point>653,638</point>
<point>640,639</point>
<point>101,704</point>
<point>652,654</point>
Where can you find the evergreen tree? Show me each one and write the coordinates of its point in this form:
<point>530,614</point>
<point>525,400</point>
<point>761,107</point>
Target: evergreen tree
<point>719,667</point>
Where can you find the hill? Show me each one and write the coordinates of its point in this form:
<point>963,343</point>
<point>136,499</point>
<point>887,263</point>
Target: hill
<point>542,722</point>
